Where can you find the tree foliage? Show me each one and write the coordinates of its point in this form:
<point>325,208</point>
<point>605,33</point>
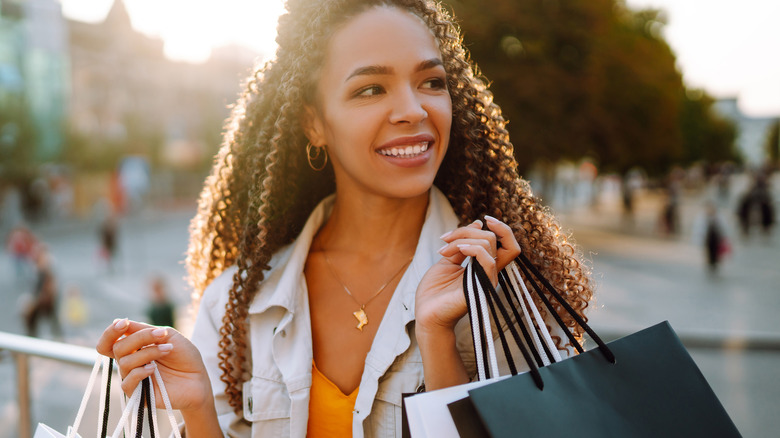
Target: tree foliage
<point>581,78</point>
<point>772,145</point>
<point>17,141</point>
<point>706,136</point>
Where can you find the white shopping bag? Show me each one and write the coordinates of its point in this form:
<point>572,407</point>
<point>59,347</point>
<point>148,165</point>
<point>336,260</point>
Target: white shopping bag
<point>44,431</point>
<point>427,412</point>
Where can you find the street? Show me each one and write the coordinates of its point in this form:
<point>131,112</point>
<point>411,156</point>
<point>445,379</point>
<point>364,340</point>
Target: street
<point>726,321</point>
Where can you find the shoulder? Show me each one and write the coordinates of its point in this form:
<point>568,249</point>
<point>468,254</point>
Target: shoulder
<point>215,296</point>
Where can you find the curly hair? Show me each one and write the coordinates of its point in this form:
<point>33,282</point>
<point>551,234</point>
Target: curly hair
<point>261,190</point>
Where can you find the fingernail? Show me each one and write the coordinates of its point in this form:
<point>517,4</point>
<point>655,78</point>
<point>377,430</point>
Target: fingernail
<point>442,248</point>
<point>159,332</point>
<point>491,218</point>
<point>122,323</point>
<point>149,366</point>
<point>477,222</point>
<point>464,246</point>
<point>445,235</point>
<point>165,347</point>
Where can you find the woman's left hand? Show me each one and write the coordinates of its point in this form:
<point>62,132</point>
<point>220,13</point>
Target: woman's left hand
<point>440,301</point>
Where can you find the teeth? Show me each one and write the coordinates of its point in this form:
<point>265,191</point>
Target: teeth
<point>405,151</point>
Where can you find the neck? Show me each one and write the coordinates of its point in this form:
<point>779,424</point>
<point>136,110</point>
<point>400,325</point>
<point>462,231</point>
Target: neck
<point>359,224</point>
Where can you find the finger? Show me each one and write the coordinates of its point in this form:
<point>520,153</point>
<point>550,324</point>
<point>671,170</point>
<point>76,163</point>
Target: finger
<point>134,377</point>
<point>135,341</point>
<point>450,235</point>
<point>509,247</point>
<point>484,258</point>
<point>110,335</point>
<point>114,332</point>
<point>474,232</point>
<point>452,247</point>
<point>452,254</point>
<point>142,357</point>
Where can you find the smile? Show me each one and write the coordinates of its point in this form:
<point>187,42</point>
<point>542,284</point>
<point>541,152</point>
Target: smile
<point>406,151</point>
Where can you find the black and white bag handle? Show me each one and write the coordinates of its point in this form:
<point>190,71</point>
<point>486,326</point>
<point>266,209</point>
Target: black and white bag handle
<point>143,396</point>
<point>482,297</point>
<point>536,345</point>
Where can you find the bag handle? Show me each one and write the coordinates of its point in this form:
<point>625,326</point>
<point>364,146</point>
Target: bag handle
<point>484,348</point>
<point>137,401</point>
<point>475,271</point>
<point>545,349</point>
<point>480,293</point>
<point>107,366</point>
<point>526,266</point>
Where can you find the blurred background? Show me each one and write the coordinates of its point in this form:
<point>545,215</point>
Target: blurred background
<point>651,127</point>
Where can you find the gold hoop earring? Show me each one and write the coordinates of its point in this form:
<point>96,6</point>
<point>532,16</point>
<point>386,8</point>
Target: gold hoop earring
<point>313,154</point>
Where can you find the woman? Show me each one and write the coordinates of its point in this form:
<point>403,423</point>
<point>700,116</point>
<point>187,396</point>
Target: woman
<point>320,311</point>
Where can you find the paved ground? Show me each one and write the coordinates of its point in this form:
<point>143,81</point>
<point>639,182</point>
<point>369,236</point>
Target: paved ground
<point>643,278</point>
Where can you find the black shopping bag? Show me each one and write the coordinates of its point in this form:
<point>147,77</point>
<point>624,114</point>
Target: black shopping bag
<point>654,389</point>
<point>643,385</point>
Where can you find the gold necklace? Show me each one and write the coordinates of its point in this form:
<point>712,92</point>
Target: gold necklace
<point>360,314</point>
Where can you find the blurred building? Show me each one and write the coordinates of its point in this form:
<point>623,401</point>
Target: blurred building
<point>33,76</point>
<point>752,132</point>
<point>126,94</point>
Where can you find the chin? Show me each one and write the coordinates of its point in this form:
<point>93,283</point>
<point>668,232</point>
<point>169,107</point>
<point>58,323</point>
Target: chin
<point>408,189</point>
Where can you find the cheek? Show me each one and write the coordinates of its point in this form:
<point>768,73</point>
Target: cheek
<point>443,114</point>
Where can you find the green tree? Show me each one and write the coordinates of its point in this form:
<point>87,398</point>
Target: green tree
<point>539,57</point>
<point>638,103</point>
<point>706,136</point>
<point>772,145</point>
<point>578,79</point>
<point>17,143</point>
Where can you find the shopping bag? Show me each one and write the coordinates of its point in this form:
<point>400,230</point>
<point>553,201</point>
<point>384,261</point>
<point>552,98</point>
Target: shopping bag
<point>643,385</point>
<point>141,404</point>
<point>654,389</point>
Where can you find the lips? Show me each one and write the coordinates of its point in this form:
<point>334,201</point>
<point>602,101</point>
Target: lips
<point>406,147</point>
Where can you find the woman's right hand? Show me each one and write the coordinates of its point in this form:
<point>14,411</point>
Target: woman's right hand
<point>134,345</point>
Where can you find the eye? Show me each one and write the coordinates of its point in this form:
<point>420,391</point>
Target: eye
<point>371,90</point>
<point>435,84</point>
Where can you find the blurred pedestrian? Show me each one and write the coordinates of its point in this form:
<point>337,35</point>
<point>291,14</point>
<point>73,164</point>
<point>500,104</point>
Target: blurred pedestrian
<point>20,244</point>
<point>670,212</point>
<point>710,232</point>
<point>161,311</point>
<point>756,206</point>
<point>108,241</point>
<point>44,300</point>
<point>763,199</point>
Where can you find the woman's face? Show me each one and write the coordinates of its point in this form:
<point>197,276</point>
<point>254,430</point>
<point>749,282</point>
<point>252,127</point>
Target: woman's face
<point>383,108</point>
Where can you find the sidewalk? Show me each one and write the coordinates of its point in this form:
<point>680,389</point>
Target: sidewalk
<point>644,278</point>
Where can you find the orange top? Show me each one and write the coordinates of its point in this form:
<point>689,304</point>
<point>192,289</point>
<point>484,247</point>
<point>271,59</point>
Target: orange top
<point>330,411</point>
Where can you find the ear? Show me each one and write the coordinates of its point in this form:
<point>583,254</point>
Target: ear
<point>313,126</point>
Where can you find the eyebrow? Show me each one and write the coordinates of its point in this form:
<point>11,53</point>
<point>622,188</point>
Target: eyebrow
<point>384,70</point>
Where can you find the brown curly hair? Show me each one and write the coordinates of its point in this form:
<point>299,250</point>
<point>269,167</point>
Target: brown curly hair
<point>261,190</point>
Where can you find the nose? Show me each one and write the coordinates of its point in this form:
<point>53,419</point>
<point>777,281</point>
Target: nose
<point>407,108</point>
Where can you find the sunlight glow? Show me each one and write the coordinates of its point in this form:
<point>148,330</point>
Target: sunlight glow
<point>727,47</point>
<point>191,28</point>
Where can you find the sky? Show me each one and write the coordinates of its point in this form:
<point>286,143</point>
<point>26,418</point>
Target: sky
<point>730,48</point>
